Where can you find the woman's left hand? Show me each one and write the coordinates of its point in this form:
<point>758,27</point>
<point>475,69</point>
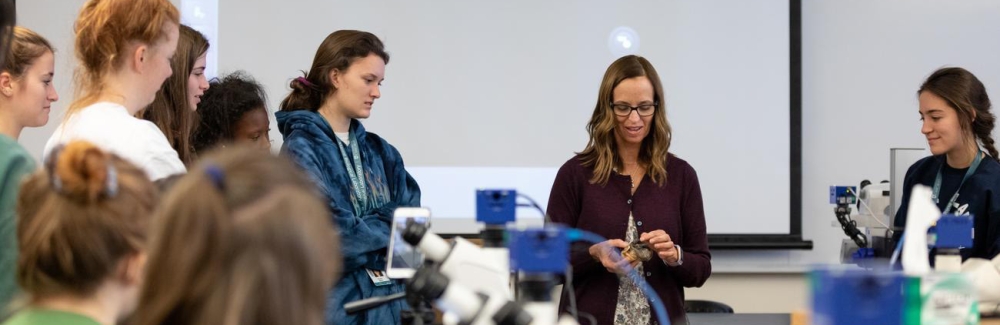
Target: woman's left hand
<point>661,243</point>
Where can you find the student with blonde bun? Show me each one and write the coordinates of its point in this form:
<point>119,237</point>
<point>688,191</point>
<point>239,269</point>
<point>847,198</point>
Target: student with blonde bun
<point>81,235</point>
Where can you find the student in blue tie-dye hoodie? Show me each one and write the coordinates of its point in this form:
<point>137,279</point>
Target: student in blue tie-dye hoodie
<point>361,175</point>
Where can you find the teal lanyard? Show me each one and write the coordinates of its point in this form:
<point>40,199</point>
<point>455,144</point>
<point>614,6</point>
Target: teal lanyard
<point>356,173</point>
<point>968,173</point>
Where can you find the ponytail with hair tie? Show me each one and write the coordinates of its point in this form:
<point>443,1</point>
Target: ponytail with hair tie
<point>305,95</point>
<point>305,82</point>
<point>337,52</point>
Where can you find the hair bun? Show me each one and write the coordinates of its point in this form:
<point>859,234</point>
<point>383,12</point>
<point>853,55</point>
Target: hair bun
<point>81,171</point>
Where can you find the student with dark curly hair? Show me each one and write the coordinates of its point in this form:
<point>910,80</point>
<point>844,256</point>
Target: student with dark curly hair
<point>233,109</point>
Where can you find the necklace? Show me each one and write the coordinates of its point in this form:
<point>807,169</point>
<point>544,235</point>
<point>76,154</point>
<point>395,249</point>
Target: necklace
<point>633,173</point>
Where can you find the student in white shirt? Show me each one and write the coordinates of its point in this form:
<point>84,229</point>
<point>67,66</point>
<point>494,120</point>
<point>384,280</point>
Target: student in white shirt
<point>122,64</point>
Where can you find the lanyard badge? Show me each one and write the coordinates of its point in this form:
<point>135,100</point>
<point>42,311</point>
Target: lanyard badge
<point>968,173</point>
<point>355,172</point>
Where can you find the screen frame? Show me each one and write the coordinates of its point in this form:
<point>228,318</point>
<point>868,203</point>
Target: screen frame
<point>792,240</point>
<point>400,216</point>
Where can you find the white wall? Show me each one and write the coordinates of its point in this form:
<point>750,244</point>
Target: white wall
<point>53,19</point>
<point>509,85</point>
<point>756,292</point>
<point>862,63</point>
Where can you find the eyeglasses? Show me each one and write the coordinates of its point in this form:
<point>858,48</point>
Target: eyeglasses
<point>624,110</point>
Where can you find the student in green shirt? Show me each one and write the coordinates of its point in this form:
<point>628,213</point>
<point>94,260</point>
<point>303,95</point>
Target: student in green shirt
<point>26,96</point>
<point>81,234</point>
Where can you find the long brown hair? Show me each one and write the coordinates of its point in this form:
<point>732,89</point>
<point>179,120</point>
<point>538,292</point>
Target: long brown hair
<point>78,218</point>
<point>170,111</point>
<point>601,152</point>
<point>104,29</point>
<point>242,239</point>
<point>337,52</point>
<point>967,95</point>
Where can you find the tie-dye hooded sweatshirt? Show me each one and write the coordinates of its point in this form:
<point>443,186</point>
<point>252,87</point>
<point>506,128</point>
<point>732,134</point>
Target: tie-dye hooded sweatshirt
<point>310,142</point>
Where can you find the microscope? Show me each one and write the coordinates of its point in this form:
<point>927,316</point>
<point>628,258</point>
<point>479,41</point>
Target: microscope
<point>471,284</point>
<point>870,231</point>
<point>496,208</point>
<point>541,255</point>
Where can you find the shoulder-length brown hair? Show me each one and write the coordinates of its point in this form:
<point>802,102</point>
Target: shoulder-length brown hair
<point>243,239</point>
<point>601,152</point>
<point>170,111</point>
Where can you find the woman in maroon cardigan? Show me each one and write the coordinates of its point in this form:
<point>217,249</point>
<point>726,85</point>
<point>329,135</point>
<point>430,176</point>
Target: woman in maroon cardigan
<point>627,187</point>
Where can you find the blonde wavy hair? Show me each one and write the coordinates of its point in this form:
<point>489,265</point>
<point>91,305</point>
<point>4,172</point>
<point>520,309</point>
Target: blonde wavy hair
<point>601,152</point>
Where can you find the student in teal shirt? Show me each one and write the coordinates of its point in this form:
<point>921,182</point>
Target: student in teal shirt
<point>48,316</point>
<point>26,96</point>
<point>81,238</point>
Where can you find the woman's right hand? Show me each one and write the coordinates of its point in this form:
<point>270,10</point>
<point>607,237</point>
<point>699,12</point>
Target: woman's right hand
<point>609,258</point>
